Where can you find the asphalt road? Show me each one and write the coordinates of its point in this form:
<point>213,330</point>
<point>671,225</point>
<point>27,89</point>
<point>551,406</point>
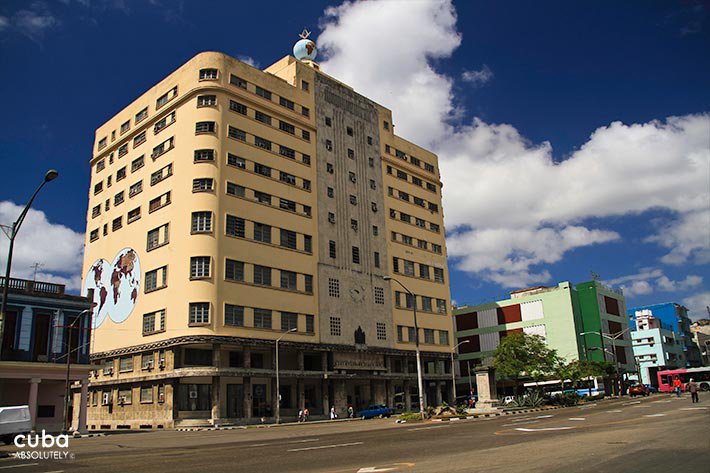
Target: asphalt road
<point>659,433</point>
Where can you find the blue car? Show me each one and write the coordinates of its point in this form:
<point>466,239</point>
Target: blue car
<point>376,410</point>
<point>651,389</point>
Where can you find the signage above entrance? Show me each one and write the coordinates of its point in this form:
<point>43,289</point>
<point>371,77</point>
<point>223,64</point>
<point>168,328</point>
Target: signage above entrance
<point>358,361</point>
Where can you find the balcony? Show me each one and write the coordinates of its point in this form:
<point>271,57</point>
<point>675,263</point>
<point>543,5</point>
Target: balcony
<point>33,287</point>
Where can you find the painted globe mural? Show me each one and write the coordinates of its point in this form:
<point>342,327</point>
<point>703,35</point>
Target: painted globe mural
<point>305,49</point>
<point>115,286</point>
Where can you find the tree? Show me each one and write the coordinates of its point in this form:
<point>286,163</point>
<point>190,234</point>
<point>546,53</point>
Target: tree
<point>520,355</point>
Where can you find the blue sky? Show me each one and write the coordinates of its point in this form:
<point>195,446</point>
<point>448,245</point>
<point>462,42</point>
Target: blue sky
<point>523,86</point>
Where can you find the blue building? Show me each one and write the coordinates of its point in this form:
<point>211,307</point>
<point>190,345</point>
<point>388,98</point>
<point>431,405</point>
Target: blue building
<point>656,347</point>
<point>41,323</point>
<point>675,318</point>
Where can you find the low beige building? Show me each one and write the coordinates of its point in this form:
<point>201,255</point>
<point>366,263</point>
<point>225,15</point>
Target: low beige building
<point>229,205</point>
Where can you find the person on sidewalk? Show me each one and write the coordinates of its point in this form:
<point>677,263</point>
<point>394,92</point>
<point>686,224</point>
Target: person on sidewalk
<point>677,386</point>
<point>692,388</point>
<point>333,415</point>
<point>300,415</point>
<point>351,412</point>
<point>305,414</point>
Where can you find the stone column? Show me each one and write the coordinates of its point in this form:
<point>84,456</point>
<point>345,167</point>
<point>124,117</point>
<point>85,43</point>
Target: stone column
<point>324,361</point>
<point>407,395</point>
<point>32,401</point>
<point>301,363</point>
<point>83,400</point>
<point>340,397</point>
<point>246,353</point>
<point>216,384</point>
<point>439,398</point>
<point>300,393</point>
<point>326,399</point>
<point>389,388</point>
<point>379,396</point>
<point>247,396</point>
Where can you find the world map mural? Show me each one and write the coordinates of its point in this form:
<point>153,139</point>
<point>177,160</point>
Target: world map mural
<point>115,286</point>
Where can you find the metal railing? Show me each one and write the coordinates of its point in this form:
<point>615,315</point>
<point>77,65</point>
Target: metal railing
<point>39,287</point>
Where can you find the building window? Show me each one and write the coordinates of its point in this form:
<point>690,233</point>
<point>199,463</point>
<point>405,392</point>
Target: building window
<point>137,163</point>
<point>331,217</point>
<point>234,270</point>
<point>287,152</point>
<point>443,337</point>
<point>424,271</point>
<point>200,267</point>
<point>439,275</point>
<point>381,331</point>
<point>306,112</point>
<point>307,243</point>
<point>202,185</point>
<point>142,115</point>
<point>331,249</point>
<point>289,321</point>
<point>204,155</point>
<point>233,160</point>
<point>237,134</point>
<point>288,280</point>
<point>154,322</point>
<point>375,230</point>
<point>408,267</point>
<point>117,223</point>
<point>288,239</point>
<point>233,315</point>
<point>305,85</point>
<point>377,259</point>
<point>238,81</point>
<point>134,215</point>
<point>441,306</point>
<point>156,279</point>
<point>102,143</point>
<point>139,139</point>
<point>262,319</point>
<point>237,107</point>
<point>166,97</point>
<point>356,255</point>
<point>335,330</point>
<point>206,100</point>
<point>262,117</point>
<point>263,93</point>
<point>125,127</point>
<point>310,324</point>
<point>379,295</point>
<point>208,74</point>
<point>125,397</point>
<point>287,127</point>
<point>146,394</point>
<point>262,275</point>
<point>126,364</point>
<point>284,102</point>
<point>353,200</point>
<point>329,145</point>
<point>262,169</point>
<point>287,178</point>
<point>235,190</point>
<point>331,192</point>
<point>262,232</point>
<point>235,226</point>
<point>157,237</point>
<point>199,313</point>
<point>429,336</point>
<point>163,148</point>
<point>201,222</point>
<point>386,125</point>
<point>426,304</point>
<point>262,143</point>
<point>135,189</point>
<point>118,198</point>
<point>205,127</point>
<point>308,283</point>
<point>262,197</point>
<point>306,135</point>
<point>333,287</point>
<point>287,205</point>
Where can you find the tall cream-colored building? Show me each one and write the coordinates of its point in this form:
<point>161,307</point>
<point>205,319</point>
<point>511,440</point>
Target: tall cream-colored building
<point>229,205</point>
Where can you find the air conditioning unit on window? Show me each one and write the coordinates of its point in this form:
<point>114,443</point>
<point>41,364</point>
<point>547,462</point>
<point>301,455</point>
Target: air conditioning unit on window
<point>108,371</point>
<point>106,399</point>
<point>161,397</point>
<point>149,365</point>
<point>121,400</point>
<point>161,364</point>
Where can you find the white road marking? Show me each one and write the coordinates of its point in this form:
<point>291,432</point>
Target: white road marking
<point>544,417</point>
<point>18,466</point>
<point>644,405</point>
<point>577,418</point>
<point>522,429</point>
<point>303,441</point>
<point>693,408</point>
<point>521,423</point>
<point>432,427</point>
<point>259,445</point>
<point>325,446</point>
<point>281,443</point>
<point>615,410</point>
<point>632,402</point>
<point>654,415</point>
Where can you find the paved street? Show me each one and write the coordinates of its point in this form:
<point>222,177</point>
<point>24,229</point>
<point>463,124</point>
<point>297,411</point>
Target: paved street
<point>659,433</point>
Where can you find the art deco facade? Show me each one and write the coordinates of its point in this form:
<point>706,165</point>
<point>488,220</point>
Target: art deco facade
<point>229,205</point>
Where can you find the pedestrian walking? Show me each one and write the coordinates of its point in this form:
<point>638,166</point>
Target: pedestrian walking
<point>692,388</point>
<point>677,386</point>
<point>300,415</point>
<point>351,412</point>
<point>333,415</point>
<point>305,414</point>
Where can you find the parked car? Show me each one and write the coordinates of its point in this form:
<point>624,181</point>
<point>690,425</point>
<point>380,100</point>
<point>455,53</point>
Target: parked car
<point>638,390</point>
<point>14,420</point>
<point>651,389</point>
<point>376,410</point>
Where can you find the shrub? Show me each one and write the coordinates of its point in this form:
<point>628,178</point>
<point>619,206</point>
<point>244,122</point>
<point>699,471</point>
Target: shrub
<point>409,416</point>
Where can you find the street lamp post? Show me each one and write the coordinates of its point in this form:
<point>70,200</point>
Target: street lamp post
<point>420,380</point>
<point>49,176</point>
<point>69,328</point>
<point>453,372</point>
<point>278,385</point>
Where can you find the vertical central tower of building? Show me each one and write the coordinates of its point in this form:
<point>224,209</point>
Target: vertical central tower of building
<point>230,205</point>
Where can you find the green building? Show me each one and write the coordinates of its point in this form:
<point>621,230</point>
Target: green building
<point>571,318</point>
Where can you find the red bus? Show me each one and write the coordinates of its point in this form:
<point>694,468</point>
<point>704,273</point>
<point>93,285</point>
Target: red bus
<point>700,375</point>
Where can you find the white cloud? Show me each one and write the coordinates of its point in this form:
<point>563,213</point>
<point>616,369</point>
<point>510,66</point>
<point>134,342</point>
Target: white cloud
<point>509,206</point>
<point>4,23</point>
<point>478,78</point>
<point>33,22</point>
<point>648,280</point>
<point>59,249</point>
<point>697,305</point>
<point>687,237</point>
<point>249,60</point>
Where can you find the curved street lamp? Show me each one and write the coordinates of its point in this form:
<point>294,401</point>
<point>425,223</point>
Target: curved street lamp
<point>420,380</point>
<point>49,176</point>
<point>453,372</point>
<point>278,387</point>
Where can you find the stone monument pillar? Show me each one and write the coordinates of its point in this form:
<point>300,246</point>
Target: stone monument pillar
<point>486,388</point>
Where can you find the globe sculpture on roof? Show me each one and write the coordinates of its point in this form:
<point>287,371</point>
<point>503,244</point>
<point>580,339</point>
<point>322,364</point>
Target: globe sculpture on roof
<point>305,49</point>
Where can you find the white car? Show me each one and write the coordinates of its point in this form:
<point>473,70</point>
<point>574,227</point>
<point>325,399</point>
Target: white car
<point>14,420</point>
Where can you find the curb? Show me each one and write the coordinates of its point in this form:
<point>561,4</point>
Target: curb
<point>89,435</point>
<point>264,426</point>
